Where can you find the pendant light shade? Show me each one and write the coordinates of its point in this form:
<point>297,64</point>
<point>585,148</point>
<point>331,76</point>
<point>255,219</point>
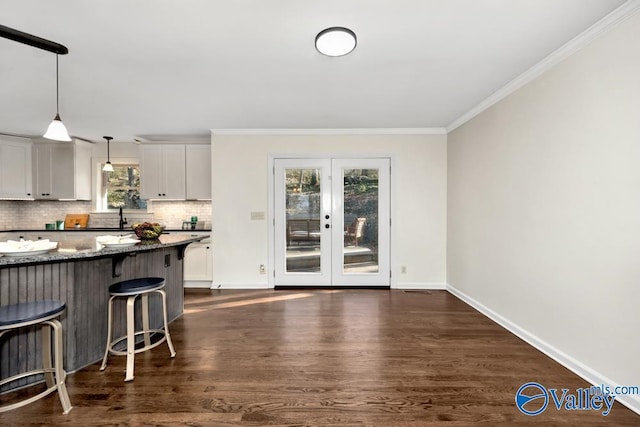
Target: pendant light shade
<point>108,167</point>
<point>56,130</point>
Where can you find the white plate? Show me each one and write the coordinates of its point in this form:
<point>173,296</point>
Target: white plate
<point>26,253</point>
<point>121,244</point>
<point>12,248</point>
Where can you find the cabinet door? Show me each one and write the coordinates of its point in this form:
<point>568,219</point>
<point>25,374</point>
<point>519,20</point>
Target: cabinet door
<point>43,172</point>
<point>198,171</point>
<point>151,165</point>
<point>198,262</point>
<point>15,170</point>
<point>173,172</point>
<point>82,171</point>
<point>62,171</point>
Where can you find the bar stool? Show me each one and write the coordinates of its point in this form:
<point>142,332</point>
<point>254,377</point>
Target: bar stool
<point>43,313</point>
<point>132,289</point>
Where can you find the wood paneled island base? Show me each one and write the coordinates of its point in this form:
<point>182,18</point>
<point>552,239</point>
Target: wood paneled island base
<point>81,279</point>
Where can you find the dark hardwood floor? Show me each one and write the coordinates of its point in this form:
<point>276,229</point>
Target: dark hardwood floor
<point>321,357</point>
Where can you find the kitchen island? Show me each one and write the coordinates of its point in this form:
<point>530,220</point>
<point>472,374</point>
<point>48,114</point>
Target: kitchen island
<point>79,273</point>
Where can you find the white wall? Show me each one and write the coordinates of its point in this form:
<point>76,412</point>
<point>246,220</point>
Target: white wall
<point>544,209</point>
<point>240,186</point>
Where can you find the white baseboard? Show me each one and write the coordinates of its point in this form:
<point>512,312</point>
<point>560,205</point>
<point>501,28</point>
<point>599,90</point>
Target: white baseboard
<point>435,286</point>
<point>244,285</point>
<point>201,284</point>
<point>593,377</point>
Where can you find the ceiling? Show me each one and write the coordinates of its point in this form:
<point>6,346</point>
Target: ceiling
<point>164,69</point>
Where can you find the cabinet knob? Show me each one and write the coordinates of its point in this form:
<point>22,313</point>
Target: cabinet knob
<point>207,247</point>
<point>28,194</point>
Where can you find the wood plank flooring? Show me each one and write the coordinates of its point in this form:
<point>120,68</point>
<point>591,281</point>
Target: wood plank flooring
<point>321,357</point>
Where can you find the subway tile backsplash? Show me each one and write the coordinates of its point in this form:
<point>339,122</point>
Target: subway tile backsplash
<point>18,214</point>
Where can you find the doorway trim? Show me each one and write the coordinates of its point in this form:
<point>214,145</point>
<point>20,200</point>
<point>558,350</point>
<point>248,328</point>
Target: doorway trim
<point>271,203</point>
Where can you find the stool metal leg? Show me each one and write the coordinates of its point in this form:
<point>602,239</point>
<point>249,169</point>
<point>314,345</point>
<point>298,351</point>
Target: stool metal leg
<point>109,333</point>
<point>131,337</point>
<point>166,323</point>
<point>59,369</point>
<point>46,355</point>
<point>145,319</point>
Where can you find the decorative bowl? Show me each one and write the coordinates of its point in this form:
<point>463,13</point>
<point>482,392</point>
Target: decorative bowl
<point>148,230</point>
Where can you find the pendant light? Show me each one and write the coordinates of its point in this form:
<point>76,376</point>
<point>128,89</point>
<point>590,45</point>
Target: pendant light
<point>56,130</point>
<point>107,166</point>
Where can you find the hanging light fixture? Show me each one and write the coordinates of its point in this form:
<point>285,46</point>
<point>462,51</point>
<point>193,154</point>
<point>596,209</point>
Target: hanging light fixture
<point>336,41</point>
<point>108,167</point>
<point>56,130</point>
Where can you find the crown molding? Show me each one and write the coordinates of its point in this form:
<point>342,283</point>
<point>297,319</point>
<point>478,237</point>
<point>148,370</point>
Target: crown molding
<point>360,131</point>
<point>614,18</point>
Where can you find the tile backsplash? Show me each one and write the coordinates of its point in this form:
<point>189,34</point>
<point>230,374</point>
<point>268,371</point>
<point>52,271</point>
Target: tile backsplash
<point>19,214</point>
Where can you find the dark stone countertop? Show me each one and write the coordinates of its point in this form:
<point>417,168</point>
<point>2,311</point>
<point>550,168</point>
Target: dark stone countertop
<point>79,247</point>
<point>111,230</point>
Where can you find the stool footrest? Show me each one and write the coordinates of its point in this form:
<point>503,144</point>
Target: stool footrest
<point>24,402</point>
<point>141,349</point>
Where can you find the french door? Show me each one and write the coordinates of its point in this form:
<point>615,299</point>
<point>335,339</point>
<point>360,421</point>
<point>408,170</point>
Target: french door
<point>332,222</point>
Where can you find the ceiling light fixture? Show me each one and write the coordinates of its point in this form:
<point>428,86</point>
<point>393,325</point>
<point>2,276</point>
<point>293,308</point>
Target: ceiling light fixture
<point>336,41</point>
<point>107,166</point>
<point>56,130</point>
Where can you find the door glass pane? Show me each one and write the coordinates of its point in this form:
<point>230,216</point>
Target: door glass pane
<point>303,207</point>
<point>360,196</point>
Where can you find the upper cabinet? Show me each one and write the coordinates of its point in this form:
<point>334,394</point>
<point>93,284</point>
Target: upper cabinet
<point>162,171</point>
<point>62,170</point>
<point>198,171</point>
<point>175,171</point>
<point>15,168</point>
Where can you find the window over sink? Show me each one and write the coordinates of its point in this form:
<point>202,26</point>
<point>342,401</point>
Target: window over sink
<point>121,188</point>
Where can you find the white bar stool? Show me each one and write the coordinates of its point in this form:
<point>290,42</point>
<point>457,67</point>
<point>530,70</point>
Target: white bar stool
<point>132,289</point>
<point>43,313</point>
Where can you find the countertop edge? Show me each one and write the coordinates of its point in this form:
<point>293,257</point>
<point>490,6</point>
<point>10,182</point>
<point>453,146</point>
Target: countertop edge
<point>55,257</point>
<point>99,230</point>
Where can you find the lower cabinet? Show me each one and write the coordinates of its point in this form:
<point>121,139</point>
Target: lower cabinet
<point>198,265</point>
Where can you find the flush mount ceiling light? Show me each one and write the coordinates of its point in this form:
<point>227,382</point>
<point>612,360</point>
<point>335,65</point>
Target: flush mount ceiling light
<point>336,41</point>
<point>56,130</point>
<point>107,166</point>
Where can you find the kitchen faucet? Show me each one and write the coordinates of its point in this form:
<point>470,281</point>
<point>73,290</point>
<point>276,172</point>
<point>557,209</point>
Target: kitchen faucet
<point>123,221</point>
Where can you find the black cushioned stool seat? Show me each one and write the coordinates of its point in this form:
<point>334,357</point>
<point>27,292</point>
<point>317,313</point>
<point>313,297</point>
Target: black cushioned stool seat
<point>132,289</point>
<point>44,313</point>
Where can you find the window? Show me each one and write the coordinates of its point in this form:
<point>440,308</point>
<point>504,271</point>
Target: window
<point>121,188</point>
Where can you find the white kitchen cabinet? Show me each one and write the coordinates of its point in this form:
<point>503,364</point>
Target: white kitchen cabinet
<point>62,170</point>
<point>198,264</point>
<point>15,168</point>
<point>162,171</point>
<point>198,171</point>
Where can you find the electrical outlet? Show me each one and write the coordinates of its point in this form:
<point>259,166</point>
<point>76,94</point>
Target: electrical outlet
<point>263,269</point>
<point>403,269</point>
